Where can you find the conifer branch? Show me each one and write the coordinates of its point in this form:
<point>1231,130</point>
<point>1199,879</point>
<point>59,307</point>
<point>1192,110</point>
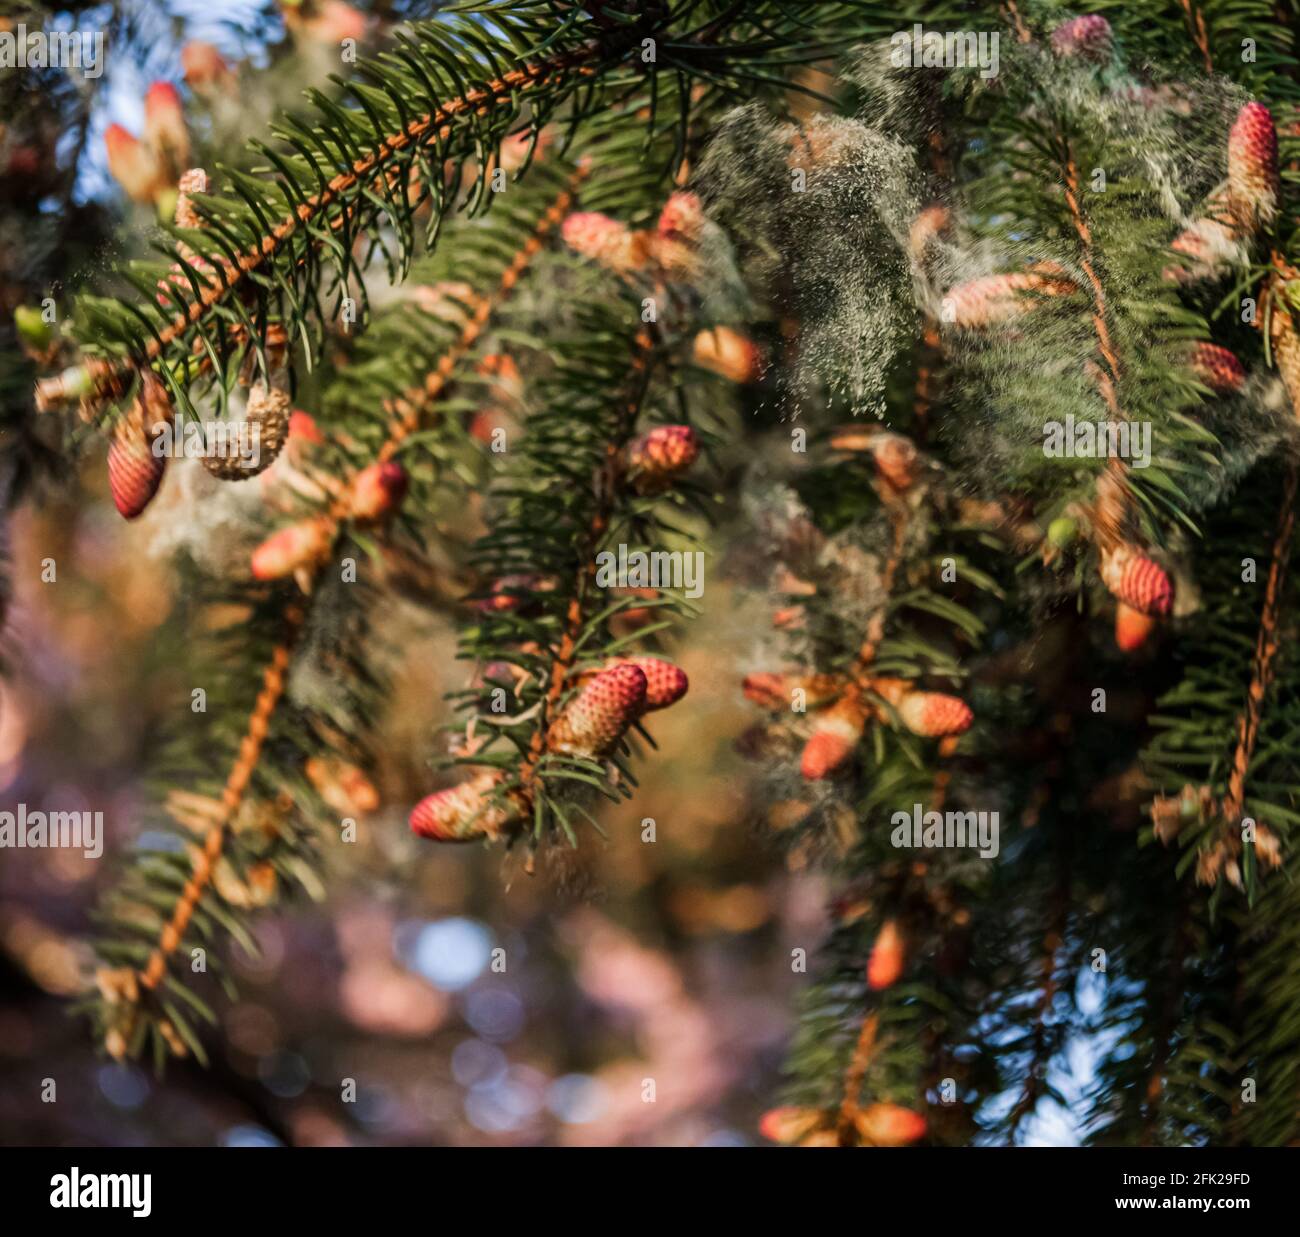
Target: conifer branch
<point>403,416</point>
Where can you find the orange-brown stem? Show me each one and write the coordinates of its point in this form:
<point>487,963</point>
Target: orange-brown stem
<point>1266,647</point>
<point>863,1051</point>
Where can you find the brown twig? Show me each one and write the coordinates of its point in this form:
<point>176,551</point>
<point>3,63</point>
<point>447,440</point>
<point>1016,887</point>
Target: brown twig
<point>565,652</point>
<point>1266,647</point>
<point>863,1051</point>
<point>1200,36</point>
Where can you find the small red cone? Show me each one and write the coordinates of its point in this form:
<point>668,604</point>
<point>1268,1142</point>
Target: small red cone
<point>378,489</point>
<point>164,128</point>
<point>788,1125</point>
<point>132,165</point>
<point>682,217</point>
<point>1253,181</point>
<point>836,732</point>
<point>666,683</point>
<point>887,955</point>
<point>462,813</point>
<point>1132,628</point>
<point>934,715</point>
<point>134,472</point>
<point>1218,368</point>
<point>659,456</point>
<point>729,354</point>
<point>596,718</point>
<point>1137,581</point>
<point>1088,38</point>
<point>298,545</point>
<point>889,1125</point>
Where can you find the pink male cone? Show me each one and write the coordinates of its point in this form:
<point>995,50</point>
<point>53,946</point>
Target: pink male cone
<point>594,720</point>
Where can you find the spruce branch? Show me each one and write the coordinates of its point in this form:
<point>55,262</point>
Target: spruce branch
<point>129,1008</point>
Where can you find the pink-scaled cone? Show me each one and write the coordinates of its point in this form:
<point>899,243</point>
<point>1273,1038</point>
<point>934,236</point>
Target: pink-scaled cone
<point>1137,581</point>
<point>665,683</point>
<point>594,720</point>
<point>682,217</point>
<point>886,962</point>
<point>605,240</point>
<point>378,489</point>
<point>1218,368</point>
<point>835,734</point>
<point>1087,37</point>
<point>995,299</point>
<point>1253,181</point>
<point>659,455</point>
<point>462,813</point>
<point>935,715</point>
<point>298,545</point>
<point>134,472</point>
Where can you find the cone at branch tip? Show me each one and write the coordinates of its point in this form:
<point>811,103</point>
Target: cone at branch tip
<point>655,459</point>
<point>836,733</point>
<point>342,785</point>
<point>1132,628</point>
<point>1137,581</point>
<point>1253,179</point>
<point>134,471</point>
<point>1286,350</point>
<point>606,240</point>
<point>299,545</point>
<point>465,812</point>
<point>773,690</point>
<point>1217,368</point>
<point>682,218</point>
<point>887,957</point>
<point>164,130</point>
<point>204,66</point>
<point>996,299</point>
<point>729,354</point>
<point>378,489</point>
<point>889,1125</point>
<point>927,228</point>
<point>132,165</point>
<point>666,682</point>
<point>1086,38</point>
<point>931,715</point>
<point>596,718</point>
<point>789,1125</point>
